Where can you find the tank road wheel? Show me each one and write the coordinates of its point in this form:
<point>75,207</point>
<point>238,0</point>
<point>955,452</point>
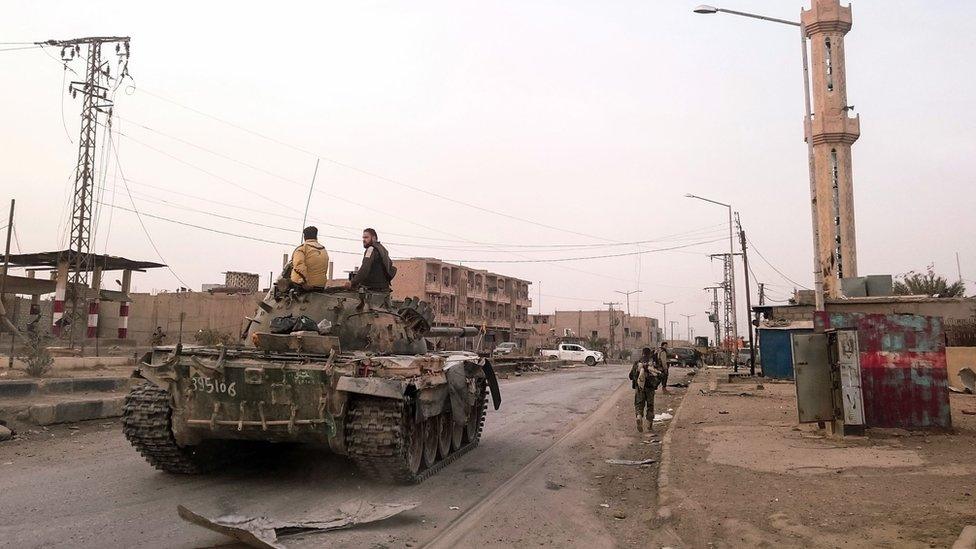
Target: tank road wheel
<point>431,430</point>
<point>414,445</point>
<point>146,424</point>
<point>476,415</point>
<point>457,434</point>
<point>445,431</point>
<point>383,439</point>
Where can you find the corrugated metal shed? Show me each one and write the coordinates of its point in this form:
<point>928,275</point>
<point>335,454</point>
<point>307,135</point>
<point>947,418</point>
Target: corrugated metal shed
<point>903,367</point>
<point>776,349</point>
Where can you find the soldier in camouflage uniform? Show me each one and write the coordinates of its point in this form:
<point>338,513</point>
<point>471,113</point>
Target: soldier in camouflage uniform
<point>644,377</point>
<point>661,359</point>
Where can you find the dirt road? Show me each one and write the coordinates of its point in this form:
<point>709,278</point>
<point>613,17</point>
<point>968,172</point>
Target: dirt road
<point>87,488</point>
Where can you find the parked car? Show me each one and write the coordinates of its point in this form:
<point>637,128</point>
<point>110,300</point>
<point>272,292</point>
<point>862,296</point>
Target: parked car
<point>574,353</point>
<point>505,348</point>
<point>742,357</point>
<point>684,356</point>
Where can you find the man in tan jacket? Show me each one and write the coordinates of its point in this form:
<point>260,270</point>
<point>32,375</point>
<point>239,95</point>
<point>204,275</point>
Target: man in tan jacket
<point>310,262</point>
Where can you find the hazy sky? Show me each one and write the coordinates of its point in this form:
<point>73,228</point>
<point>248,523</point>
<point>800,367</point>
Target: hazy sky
<point>593,117</point>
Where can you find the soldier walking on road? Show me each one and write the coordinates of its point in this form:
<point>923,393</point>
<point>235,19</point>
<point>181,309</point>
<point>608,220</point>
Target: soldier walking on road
<point>661,359</point>
<point>644,377</point>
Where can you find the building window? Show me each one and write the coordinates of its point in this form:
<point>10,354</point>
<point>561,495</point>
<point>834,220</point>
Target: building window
<point>828,64</point>
<point>594,333</point>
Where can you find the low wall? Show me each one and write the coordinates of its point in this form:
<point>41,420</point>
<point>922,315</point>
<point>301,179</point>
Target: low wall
<point>200,310</point>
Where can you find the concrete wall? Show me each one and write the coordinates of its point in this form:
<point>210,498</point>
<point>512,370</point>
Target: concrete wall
<point>224,313</point>
<point>948,309</point>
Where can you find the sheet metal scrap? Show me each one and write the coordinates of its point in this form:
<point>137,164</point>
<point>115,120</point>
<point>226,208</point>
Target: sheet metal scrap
<point>263,532</point>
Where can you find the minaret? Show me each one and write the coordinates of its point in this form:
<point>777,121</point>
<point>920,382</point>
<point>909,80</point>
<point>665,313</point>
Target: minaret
<point>833,133</point>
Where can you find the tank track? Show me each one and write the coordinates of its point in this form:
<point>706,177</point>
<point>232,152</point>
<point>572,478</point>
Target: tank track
<point>376,443</point>
<point>146,424</point>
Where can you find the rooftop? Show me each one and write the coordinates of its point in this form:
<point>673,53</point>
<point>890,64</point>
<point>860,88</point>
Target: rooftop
<point>49,260</point>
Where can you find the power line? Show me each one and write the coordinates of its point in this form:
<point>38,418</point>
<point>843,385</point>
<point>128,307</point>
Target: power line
<point>604,256</point>
<point>322,235</point>
<point>217,231</point>
<point>788,279</point>
<point>707,229</point>
<point>380,177</point>
<point>34,47</point>
<point>141,223</point>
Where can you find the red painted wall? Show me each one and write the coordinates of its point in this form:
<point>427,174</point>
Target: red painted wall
<point>903,368</point>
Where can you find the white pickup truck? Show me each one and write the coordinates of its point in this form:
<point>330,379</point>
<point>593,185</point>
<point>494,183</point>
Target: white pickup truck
<point>574,353</point>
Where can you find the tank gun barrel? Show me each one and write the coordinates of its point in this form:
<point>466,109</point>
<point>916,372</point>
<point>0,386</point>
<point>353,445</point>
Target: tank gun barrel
<point>445,331</point>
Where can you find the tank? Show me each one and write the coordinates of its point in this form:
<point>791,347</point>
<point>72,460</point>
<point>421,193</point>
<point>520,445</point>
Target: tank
<point>365,382</point>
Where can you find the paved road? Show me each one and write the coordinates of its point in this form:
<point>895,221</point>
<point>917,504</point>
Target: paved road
<point>88,488</point>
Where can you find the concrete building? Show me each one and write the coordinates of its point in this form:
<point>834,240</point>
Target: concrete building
<point>627,332</point>
<point>462,296</point>
<point>833,132</point>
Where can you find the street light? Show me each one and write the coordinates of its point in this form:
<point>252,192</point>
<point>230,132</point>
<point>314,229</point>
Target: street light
<point>735,323</point>
<point>627,294</point>
<point>807,134</point>
<point>665,323</point>
<point>688,325</point>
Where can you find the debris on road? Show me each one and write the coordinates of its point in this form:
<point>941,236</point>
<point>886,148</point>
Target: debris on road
<point>630,461</point>
<point>663,416</point>
<point>5,433</point>
<point>454,508</point>
<point>263,532</point>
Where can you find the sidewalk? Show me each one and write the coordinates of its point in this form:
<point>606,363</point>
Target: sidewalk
<point>744,473</point>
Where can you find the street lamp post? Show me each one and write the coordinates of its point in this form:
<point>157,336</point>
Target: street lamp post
<point>688,326</point>
<point>627,295</point>
<point>665,322</point>
<point>807,134</point>
<point>735,323</point>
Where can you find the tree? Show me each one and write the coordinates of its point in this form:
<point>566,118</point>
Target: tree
<point>597,343</point>
<point>928,283</point>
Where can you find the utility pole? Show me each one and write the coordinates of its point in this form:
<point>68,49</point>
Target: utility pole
<point>673,322</point>
<point>95,101</point>
<point>762,294</point>
<point>3,281</point>
<point>665,320</point>
<point>745,267</point>
<point>627,294</point>
<point>731,330</point>
<point>688,325</point>
<point>713,315</point>
<point>612,338</point>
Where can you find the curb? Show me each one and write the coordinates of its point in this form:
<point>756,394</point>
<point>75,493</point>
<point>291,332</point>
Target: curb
<point>79,410</point>
<point>664,494</point>
<point>27,387</point>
